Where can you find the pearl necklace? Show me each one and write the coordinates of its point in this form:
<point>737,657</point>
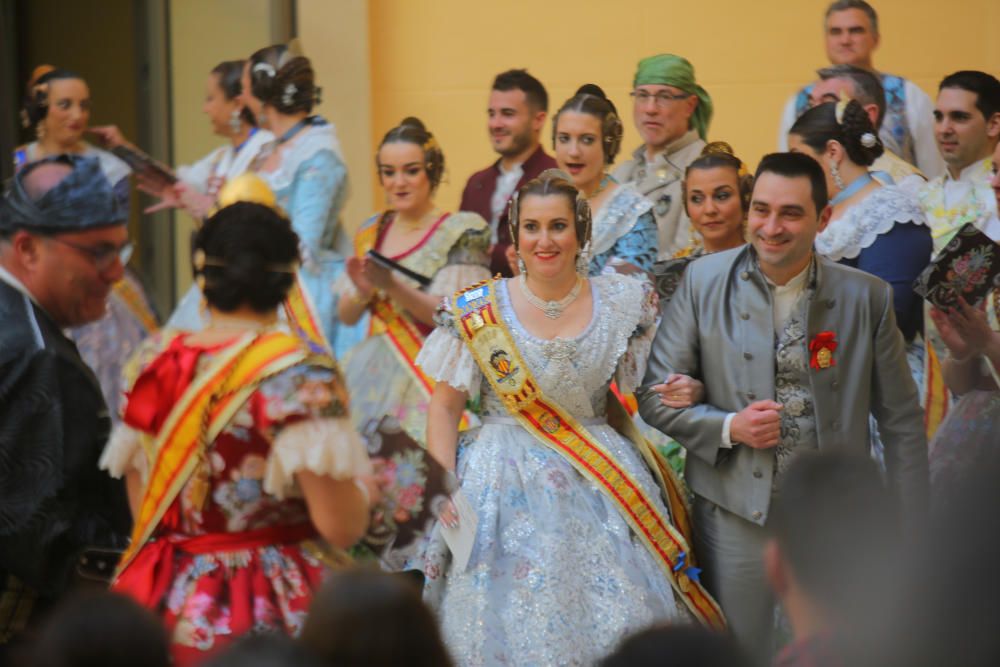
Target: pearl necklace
<point>552,309</point>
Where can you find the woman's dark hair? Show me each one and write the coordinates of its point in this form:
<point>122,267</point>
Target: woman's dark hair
<point>412,131</point>
<point>718,154</point>
<point>245,255</point>
<point>553,182</point>
<point>229,74</point>
<point>101,628</point>
<point>686,645</point>
<point>369,618</point>
<point>854,131</point>
<point>265,650</point>
<point>590,99</point>
<point>36,97</point>
<point>283,80</point>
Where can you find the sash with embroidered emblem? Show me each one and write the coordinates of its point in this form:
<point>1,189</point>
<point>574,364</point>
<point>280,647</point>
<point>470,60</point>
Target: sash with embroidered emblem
<point>405,339</point>
<point>133,299</point>
<point>492,346</point>
<point>301,315</point>
<point>202,412</point>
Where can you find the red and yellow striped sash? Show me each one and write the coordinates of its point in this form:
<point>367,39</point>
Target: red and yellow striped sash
<point>497,355</point>
<point>222,389</point>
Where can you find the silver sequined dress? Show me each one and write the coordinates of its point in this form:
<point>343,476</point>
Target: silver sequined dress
<point>556,576</point>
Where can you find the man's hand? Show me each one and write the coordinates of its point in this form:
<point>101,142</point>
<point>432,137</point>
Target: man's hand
<point>679,391</point>
<point>758,425</point>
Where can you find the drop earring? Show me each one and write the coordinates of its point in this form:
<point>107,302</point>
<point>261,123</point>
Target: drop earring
<point>835,174</point>
<point>235,122</point>
<point>583,260</point>
<point>521,268</point>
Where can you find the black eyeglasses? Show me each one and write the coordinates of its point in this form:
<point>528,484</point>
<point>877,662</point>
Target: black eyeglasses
<point>660,99</point>
<point>103,256</point>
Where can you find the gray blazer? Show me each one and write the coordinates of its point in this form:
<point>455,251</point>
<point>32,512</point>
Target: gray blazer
<point>719,329</point>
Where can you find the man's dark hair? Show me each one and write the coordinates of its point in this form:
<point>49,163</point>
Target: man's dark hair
<point>985,86</point>
<point>519,79</point>
<point>844,5</point>
<point>686,645</point>
<point>868,88</point>
<point>795,165</point>
<point>837,528</point>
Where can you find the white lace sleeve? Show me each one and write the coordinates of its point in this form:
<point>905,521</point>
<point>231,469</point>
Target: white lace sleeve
<point>445,358</point>
<point>326,446</point>
<point>454,277</point>
<point>124,452</point>
<point>632,365</point>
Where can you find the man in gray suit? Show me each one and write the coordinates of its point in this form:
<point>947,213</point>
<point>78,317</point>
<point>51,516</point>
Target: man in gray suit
<point>795,352</point>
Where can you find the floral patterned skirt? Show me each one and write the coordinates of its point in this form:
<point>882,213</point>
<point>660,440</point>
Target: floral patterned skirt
<point>213,599</point>
<point>967,438</point>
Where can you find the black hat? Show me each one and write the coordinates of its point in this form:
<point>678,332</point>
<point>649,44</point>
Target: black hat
<point>81,201</point>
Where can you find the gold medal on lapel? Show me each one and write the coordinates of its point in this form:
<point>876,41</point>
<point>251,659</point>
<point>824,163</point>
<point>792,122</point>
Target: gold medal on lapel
<point>824,358</point>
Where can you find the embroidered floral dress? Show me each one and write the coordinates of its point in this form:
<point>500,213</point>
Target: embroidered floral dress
<point>624,231</point>
<point>555,576</point>
<point>453,254</point>
<point>244,486</point>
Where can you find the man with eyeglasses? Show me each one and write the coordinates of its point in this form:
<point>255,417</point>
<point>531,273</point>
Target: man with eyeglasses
<point>672,113</point>
<point>63,244</point>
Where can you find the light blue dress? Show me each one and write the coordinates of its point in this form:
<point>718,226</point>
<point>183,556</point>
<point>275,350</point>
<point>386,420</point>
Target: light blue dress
<point>624,231</point>
<point>556,576</point>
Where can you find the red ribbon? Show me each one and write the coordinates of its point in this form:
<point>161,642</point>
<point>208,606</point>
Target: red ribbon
<point>150,574</point>
<point>824,340</point>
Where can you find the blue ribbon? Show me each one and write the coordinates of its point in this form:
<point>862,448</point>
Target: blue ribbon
<point>852,189</point>
<point>693,573</point>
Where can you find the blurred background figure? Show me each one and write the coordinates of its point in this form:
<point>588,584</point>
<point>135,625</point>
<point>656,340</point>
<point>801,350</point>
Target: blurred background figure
<point>101,629</point>
<point>57,107</point>
<point>448,249</point>
<point>677,645</point>
<point>833,557</point>
<point>266,650</point>
<point>367,618</point>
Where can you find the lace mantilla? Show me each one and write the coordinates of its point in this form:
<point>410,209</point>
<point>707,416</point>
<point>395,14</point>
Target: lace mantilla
<point>861,224</point>
<point>617,217</point>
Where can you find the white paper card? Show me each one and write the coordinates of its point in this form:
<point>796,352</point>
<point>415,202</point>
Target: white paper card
<point>461,538</point>
<point>992,228</point>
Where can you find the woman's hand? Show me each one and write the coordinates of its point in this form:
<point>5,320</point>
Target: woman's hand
<point>168,195</point>
<point>377,275</point>
<point>449,515</point>
<point>108,135</point>
<point>680,391</point>
<point>194,201</point>
<point>964,329</point>
<point>355,267</point>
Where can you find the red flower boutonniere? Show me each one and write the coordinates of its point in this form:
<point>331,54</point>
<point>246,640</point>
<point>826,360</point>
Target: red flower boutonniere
<point>821,348</point>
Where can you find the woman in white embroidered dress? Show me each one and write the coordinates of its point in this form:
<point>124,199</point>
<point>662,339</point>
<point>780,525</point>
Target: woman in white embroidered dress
<point>556,576</point>
<point>449,249</point>
<point>586,137</point>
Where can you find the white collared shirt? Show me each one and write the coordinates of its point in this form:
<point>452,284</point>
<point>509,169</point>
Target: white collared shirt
<point>956,190</point>
<point>506,182</point>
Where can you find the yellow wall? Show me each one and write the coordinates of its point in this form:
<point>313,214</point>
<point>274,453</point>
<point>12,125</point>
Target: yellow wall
<point>203,34</point>
<point>436,59</point>
<point>334,36</point>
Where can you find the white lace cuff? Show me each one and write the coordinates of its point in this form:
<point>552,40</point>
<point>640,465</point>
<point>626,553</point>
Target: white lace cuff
<point>124,452</point>
<point>327,446</point>
<point>445,358</point>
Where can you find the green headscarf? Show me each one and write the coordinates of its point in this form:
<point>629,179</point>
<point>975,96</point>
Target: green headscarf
<point>667,69</point>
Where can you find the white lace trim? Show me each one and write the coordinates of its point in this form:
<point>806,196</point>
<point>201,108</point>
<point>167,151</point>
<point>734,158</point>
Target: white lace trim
<point>124,452</point>
<point>617,217</point>
<point>454,277</point>
<point>446,358</point>
<point>328,446</point>
<point>624,305</point>
<point>313,139</point>
<point>862,223</point>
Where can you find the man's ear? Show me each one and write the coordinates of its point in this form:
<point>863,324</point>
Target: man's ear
<point>993,126</point>
<point>538,120</point>
<point>774,568</point>
<point>824,218</point>
<point>27,248</point>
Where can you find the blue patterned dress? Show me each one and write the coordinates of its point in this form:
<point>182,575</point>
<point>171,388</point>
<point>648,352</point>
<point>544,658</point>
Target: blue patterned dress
<point>624,231</point>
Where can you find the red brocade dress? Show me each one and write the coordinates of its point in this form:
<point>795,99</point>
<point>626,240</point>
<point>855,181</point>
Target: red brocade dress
<point>235,552</point>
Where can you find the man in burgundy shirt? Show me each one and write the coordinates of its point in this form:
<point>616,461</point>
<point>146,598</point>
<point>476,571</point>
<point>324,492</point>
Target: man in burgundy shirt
<point>517,109</point>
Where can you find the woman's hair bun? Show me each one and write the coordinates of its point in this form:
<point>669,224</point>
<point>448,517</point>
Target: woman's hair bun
<point>591,89</point>
<point>414,122</point>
